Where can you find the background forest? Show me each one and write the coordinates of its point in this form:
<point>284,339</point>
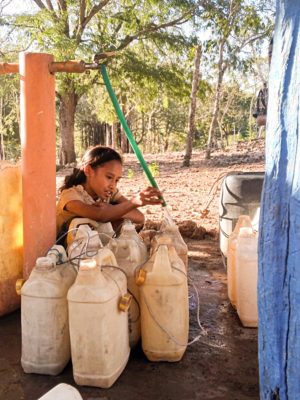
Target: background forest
<point>185,72</point>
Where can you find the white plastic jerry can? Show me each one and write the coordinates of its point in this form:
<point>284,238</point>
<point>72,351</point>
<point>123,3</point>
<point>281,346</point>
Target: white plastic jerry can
<point>243,221</point>
<point>44,317</point>
<point>86,244</point>
<point>171,230</point>
<point>130,255</point>
<point>104,229</point>
<point>164,306</point>
<point>247,271</point>
<point>98,327</point>
<point>128,232</point>
<point>62,392</point>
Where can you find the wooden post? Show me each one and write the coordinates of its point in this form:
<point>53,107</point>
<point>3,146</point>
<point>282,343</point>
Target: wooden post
<point>38,141</point>
<point>279,247</point>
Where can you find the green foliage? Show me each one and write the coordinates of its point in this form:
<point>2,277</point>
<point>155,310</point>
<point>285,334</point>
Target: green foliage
<point>130,173</point>
<point>9,116</point>
<point>151,71</point>
<point>236,24</point>
<point>154,169</point>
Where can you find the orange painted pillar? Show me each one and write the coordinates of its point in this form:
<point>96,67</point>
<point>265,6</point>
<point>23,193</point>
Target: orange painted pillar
<point>38,141</point>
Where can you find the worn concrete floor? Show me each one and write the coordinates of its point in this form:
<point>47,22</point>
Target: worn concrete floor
<point>221,366</point>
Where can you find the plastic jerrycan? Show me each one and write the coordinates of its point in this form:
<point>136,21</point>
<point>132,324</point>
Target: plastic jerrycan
<point>247,271</point>
<point>98,328</point>
<point>171,230</point>
<point>128,258</point>
<point>164,306</point>
<point>130,253</point>
<point>75,224</point>
<point>240,195</point>
<point>86,244</point>
<point>104,229</point>
<point>62,392</point>
<point>129,233</point>
<point>44,317</point>
<point>11,234</point>
<point>243,221</point>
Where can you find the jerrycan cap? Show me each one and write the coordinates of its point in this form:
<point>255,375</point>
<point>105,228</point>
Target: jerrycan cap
<point>44,263</point>
<point>88,264</point>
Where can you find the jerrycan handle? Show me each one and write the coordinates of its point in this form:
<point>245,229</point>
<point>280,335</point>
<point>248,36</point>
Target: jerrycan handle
<point>106,257</point>
<point>161,261</point>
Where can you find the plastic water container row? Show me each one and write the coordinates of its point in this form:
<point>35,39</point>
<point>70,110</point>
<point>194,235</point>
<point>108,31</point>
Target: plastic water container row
<point>130,251</point>
<point>85,314</point>
<point>242,271</point>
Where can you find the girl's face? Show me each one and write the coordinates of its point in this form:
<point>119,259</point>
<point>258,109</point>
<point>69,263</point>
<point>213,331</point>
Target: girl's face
<point>102,181</point>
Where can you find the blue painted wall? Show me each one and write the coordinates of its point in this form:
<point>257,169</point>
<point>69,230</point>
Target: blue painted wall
<point>279,248</point>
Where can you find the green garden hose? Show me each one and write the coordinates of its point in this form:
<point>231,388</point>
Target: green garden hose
<point>127,131</point>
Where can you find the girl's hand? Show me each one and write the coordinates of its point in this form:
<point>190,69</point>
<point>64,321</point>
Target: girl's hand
<point>150,195</point>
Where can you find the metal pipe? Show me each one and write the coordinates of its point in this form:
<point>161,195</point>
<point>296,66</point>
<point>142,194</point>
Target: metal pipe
<point>8,68</point>
<point>67,66</point>
<point>72,66</point>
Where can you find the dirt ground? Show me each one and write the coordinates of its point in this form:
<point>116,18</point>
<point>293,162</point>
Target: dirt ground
<point>222,365</point>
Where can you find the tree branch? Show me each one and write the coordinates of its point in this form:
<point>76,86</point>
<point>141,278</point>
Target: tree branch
<point>94,11</point>
<point>79,25</point>
<point>40,4</point>
<point>49,5</point>
<point>147,29</point>
<point>84,20</point>
<point>82,11</point>
<point>62,5</point>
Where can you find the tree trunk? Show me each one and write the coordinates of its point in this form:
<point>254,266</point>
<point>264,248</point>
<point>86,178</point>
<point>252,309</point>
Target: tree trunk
<point>68,103</point>
<point>124,141</point>
<point>192,112</point>
<point>108,138</point>
<point>149,142</point>
<point>216,107</point>
<point>118,133</point>
<point>251,115</point>
<point>114,135</point>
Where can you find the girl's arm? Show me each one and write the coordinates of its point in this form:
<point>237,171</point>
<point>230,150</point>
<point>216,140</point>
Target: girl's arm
<point>104,212</point>
<point>134,215</point>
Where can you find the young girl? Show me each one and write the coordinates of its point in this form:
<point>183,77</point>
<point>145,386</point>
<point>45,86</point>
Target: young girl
<point>90,191</point>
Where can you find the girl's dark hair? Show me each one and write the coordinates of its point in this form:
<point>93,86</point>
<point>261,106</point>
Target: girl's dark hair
<point>95,157</point>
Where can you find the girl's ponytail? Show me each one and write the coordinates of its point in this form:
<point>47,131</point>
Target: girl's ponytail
<point>76,178</point>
